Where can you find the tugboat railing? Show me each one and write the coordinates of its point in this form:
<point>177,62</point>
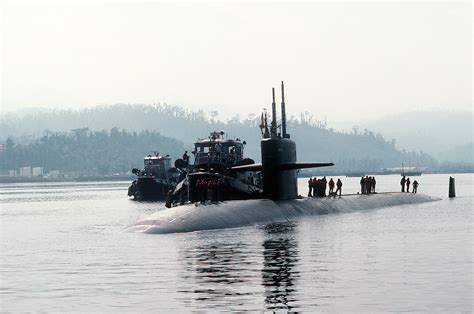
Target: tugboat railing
<point>214,158</point>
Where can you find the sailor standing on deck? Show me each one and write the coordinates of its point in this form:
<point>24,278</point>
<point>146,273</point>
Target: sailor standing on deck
<point>203,190</point>
<point>210,189</point>
<point>186,158</point>
<point>199,190</point>
<point>310,187</point>
<point>415,186</point>
<point>331,187</point>
<point>324,184</point>
<point>169,199</point>
<point>339,187</point>
<point>402,183</point>
<point>408,185</point>
<point>367,184</point>
<point>220,186</point>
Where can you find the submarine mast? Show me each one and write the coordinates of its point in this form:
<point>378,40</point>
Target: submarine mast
<point>283,112</point>
<point>273,128</point>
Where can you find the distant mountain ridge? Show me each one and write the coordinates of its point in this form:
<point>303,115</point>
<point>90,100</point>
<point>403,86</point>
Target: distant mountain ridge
<point>362,150</point>
<point>462,153</point>
<point>434,132</point>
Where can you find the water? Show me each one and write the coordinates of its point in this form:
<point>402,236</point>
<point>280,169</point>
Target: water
<point>63,248</point>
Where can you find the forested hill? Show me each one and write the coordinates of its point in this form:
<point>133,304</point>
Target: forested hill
<point>316,142</point>
<point>85,152</point>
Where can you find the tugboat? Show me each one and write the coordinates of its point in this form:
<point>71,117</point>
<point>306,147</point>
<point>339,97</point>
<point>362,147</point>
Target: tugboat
<point>156,179</point>
<point>212,178</point>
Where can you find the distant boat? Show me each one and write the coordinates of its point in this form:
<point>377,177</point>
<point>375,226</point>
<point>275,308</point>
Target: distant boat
<point>411,173</point>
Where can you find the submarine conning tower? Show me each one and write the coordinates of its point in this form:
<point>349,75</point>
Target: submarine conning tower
<point>279,166</point>
<point>278,150</point>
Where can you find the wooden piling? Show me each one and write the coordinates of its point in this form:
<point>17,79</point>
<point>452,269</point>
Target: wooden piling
<point>452,187</point>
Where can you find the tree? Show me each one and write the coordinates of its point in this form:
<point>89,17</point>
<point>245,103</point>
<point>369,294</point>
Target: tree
<point>9,144</point>
<point>355,129</point>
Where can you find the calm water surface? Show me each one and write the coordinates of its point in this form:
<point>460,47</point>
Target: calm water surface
<point>63,248</point>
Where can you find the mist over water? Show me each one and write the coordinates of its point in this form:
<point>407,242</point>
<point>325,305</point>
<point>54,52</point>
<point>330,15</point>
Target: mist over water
<point>63,248</point>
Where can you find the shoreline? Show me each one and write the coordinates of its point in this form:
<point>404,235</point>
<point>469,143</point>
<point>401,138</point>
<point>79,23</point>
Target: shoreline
<point>78,179</point>
<point>7,180</point>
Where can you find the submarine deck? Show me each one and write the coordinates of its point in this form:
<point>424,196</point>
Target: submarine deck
<point>232,214</point>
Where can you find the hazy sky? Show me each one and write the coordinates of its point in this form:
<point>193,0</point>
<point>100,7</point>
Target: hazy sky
<point>343,60</point>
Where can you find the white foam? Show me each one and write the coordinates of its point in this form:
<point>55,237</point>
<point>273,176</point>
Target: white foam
<point>233,214</point>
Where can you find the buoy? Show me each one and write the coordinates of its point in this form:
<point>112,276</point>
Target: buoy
<point>452,188</point>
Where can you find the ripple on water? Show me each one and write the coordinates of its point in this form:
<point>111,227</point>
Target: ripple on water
<point>63,249</point>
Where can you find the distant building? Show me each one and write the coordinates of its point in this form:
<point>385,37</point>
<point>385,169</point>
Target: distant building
<point>12,173</point>
<point>37,171</point>
<point>25,172</point>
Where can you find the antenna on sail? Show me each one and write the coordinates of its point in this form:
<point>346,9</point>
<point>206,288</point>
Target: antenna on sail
<point>283,113</point>
<point>273,128</point>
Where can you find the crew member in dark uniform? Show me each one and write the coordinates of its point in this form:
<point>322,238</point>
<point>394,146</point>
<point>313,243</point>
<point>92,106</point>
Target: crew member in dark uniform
<point>314,184</point>
<point>324,184</point>
<point>415,186</point>
<point>402,183</point>
<point>310,187</point>
<point>220,186</point>
<point>169,199</point>
<point>182,195</point>
<point>211,189</point>
<point>408,185</point>
<point>186,158</point>
<point>331,186</point>
<point>339,187</point>
<point>202,190</point>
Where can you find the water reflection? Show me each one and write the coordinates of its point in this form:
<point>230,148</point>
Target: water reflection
<point>279,276</point>
<point>217,274</point>
<point>240,273</point>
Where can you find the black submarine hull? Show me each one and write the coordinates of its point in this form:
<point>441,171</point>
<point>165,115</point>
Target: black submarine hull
<point>233,214</point>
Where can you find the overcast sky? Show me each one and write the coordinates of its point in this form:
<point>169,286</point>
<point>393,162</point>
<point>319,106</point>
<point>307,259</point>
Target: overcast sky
<point>345,61</point>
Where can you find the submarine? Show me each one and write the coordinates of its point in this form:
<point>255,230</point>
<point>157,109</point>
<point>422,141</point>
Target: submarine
<point>279,200</point>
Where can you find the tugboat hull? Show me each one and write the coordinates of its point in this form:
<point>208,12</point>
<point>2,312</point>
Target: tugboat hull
<point>155,180</point>
<point>148,189</point>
